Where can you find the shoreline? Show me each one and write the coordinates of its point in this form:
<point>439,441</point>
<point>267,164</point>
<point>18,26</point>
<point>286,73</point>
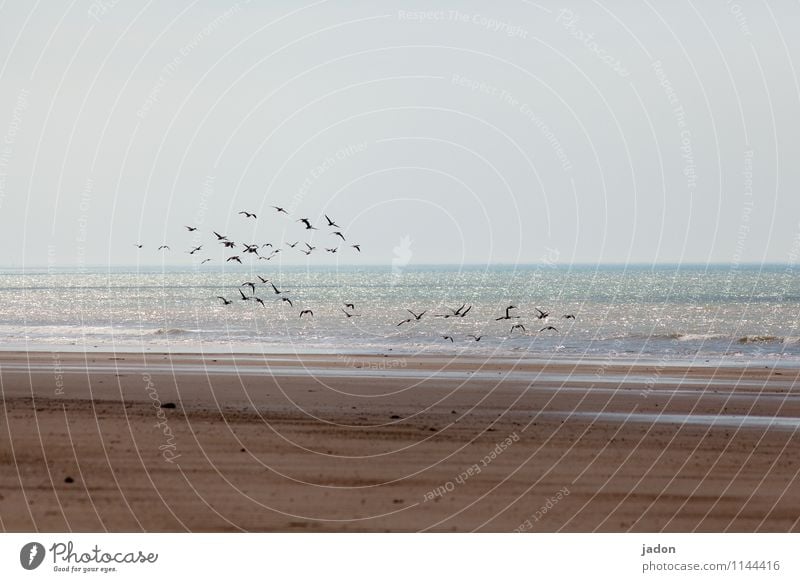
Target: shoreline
<point>202,442</point>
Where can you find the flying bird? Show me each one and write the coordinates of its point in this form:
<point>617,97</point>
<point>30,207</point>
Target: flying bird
<point>477,338</point>
<point>349,315</point>
<point>137,245</point>
<point>404,321</point>
<point>417,317</point>
<point>350,305</point>
<point>307,223</point>
<point>261,301</point>
<point>262,279</point>
<point>274,288</point>
<point>448,337</point>
<point>244,297</point>
<point>541,314</point>
<point>357,247</point>
<point>287,300</point>
<point>234,258</point>
<point>463,313</point>
<point>195,249</point>
<point>339,234</point>
<point>292,245</point>
<point>568,316</point>
<point>330,222</point>
<point>164,248</point>
<point>219,236</point>
<point>248,214</point>
<point>548,328</point>
<point>204,261</point>
<point>302,313</point>
<point>228,244</point>
<point>251,285</point>
<point>508,315</point>
<point>331,250</point>
<point>191,228</point>
<point>517,326</point>
<point>224,301</point>
<point>279,209</point>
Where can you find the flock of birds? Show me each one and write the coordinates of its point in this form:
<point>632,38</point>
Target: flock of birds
<point>348,309</point>
<point>255,248</point>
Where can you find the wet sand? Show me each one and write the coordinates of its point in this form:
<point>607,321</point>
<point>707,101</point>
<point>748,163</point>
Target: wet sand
<point>394,443</point>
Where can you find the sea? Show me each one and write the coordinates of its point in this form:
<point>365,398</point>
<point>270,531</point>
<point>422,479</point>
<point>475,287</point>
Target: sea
<point>668,313</point>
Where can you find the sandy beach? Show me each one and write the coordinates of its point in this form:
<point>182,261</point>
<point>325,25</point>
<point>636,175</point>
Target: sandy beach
<point>157,442</point>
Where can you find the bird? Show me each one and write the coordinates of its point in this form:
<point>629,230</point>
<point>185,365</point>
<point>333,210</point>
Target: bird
<point>195,249</point>
<point>219,236</point>
<point>248,214</point>
<point>204,261</point>
<point>279,209</point>
<point>306,252</point>
<point>262,279</point>
<point>251,285</point>
<point>275,289</point>
<point>310,248</point>
<point>164,248</point>
<point>292,245</point>
<point>508,316</point>
<point>548,328</point>
<point>455,311</point>
<point>267,245</point>
<point>261,301</point>
<point>541,314</point>
<point>191,228</point>
<point>339,234</point>
<point>302,313</point>
<point>417,317</point>
<point>404,321</point>
<point>244,297</point>
<point>330,222</point>
<point>448,337</point>
<point>349,315</point>
<point>307,223</point>
<point>477,338</point>
<point>331,250</point>
<point>568,316</point>
<point>357,247</point>
<point>350,305</point>
<point>517,326</point>
<point>234,258</point>
<point>228,244</point>
<point>253,249</point>
<point>463,313</point>
<point>137,245</point>
<point>224,301</point>
<point>287,300</point>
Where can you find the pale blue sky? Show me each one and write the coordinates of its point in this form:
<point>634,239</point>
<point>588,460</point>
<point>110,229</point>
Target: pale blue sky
<point>584,131</point>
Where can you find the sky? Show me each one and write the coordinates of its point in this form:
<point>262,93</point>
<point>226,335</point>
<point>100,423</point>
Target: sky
<point>431,132</point>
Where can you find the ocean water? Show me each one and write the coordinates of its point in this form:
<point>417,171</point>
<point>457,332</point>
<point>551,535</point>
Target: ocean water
<point>663,313</point>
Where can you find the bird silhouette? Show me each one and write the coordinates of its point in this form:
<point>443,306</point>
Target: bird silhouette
<point>517,326</point>
<point>224,301</point>
<point>350,305</point>
<point>417,317</point>
<point>331,222</point>
<point>357,247</point>
<point>307,223</point>
<point>448,337</point>
<point>195,249</point>
<point>349,315</point>
<point>219,236</point>
<point>568,316</point>
<point>279,209</point>
<point>191,228</point>
<point>248,214</point>
<point>251,285</point>
<point>541,314</point>
<point>306,311</point>
<point>339,234</point>
<point>164,248</point>
<point>287,300</point>
<point>477,338</point>
<point>548,328</point>
<point>508,315</point>
<point>234,258</point>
